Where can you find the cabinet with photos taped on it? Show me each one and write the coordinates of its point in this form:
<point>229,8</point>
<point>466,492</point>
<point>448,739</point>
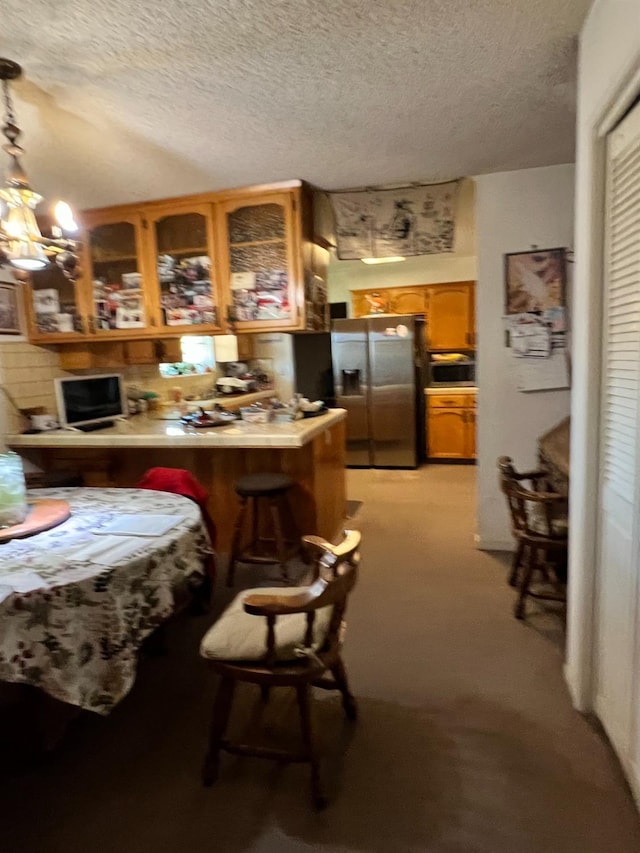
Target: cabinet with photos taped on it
<point>240,260</point>
<point>273,272</point>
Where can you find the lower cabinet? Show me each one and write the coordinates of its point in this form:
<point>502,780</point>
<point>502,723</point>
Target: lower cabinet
<point>451,427</point>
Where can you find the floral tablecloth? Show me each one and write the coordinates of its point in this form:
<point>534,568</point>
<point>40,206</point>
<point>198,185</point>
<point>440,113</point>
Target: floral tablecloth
<point>78,637</point>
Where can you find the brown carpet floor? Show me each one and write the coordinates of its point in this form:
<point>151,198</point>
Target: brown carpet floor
<point>466,742</point>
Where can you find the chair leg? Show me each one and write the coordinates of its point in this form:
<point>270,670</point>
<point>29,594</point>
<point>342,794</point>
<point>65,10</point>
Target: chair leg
<point>265,693</point>
<point>516,563</point>
<point>219,720</point>
<point>281,547</point>
<point>348,699</point>
<point>254,547</point>
<point>236,542</point>
<point>302,691</point>
<point>525,582</point>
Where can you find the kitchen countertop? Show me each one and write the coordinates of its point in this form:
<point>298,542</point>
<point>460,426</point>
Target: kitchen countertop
<point>150,431</point>
<point>168,411</point>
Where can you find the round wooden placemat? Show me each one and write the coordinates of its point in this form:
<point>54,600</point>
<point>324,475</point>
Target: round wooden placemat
<point>44,514</point>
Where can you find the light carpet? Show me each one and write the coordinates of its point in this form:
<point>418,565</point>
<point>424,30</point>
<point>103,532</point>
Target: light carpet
<point>466,743</point>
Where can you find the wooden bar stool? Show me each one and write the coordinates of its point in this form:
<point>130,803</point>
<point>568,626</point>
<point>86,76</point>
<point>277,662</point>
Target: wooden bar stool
<point>252,489</point>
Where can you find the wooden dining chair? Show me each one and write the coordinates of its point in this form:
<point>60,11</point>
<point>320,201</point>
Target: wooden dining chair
<point>285,637</point>
<point>539,526</point>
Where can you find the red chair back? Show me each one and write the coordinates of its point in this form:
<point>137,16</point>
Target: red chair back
<point>178,481</point>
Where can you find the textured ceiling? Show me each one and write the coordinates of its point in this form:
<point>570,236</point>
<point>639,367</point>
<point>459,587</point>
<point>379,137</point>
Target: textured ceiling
<point>126,100</point>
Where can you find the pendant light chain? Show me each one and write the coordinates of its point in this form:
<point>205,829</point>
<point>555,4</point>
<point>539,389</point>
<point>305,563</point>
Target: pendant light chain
<point>10,127</point>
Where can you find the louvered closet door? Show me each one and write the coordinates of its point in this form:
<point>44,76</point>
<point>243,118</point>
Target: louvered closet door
<point>617,672</point>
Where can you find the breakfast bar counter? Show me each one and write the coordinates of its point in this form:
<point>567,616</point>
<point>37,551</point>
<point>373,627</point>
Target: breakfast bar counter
<point>311,450</point>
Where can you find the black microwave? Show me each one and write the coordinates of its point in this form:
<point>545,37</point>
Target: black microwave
<point>462,372</point>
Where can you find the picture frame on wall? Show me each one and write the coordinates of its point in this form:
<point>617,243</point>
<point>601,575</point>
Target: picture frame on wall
<point>10,313</point>
<point>536,282</point>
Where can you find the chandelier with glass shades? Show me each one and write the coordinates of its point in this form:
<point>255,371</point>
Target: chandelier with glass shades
<point>22,246</point>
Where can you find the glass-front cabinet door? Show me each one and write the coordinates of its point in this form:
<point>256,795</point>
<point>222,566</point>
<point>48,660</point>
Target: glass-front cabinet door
<point>182,246</point>
<point>258,242</point>
<point>54,306</point>
<point>118,280</point>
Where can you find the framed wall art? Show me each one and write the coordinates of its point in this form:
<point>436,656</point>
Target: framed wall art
<point>536,282</point>
<point>10,314</point>
<point>536,318</point>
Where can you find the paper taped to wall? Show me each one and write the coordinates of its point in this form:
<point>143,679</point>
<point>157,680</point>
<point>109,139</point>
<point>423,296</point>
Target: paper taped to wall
<point>541,374</point>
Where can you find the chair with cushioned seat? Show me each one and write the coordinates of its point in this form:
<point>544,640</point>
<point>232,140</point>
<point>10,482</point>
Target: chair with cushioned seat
<point>252,489</point>
<point>539,525</point>
<point>301,640</point>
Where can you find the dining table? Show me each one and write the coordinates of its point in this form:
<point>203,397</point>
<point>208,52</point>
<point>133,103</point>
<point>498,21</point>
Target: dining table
<point>78,600</point>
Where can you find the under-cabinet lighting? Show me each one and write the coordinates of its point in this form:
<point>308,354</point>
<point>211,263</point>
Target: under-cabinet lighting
<point>393,259</point>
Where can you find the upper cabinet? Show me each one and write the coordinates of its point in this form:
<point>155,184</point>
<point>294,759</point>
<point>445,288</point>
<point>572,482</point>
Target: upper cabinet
<point>185,292</point>
<point>449,310</point>
<point>260,262</point>
<point>55,308</point>
<point>407,300</point>
<point>242,259</point>
<point>117,279</point>
<point>450,316</point>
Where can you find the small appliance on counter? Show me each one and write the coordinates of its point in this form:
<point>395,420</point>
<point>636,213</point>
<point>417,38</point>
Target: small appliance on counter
<point>87,403</point>
<point>236,385</point>
<point>238,379</point>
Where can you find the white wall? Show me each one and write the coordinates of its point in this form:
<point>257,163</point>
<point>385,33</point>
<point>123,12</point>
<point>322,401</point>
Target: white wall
<point>514,210</point>
<point>459,265</point>
<point>609,60</point>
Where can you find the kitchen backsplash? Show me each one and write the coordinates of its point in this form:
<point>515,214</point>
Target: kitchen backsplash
<point>27,373</point>
<point>148,378</point>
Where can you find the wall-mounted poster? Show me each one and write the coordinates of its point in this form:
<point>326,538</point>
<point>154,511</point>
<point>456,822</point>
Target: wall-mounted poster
<point>536,282</point>
<point>382,223</point>
<point>536,325</point>
<point>9,310</point>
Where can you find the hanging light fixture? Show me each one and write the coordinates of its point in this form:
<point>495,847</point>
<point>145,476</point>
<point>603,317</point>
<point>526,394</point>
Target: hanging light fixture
<point>22,246</point>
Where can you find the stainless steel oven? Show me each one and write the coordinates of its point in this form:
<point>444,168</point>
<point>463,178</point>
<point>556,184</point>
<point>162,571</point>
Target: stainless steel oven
<point>444,370</point>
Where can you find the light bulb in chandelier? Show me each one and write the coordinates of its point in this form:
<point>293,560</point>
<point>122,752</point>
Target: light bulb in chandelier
<point>64,217</point>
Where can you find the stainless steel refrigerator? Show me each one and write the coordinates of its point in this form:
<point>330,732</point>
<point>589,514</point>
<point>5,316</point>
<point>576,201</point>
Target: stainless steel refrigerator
<point>379,378</point>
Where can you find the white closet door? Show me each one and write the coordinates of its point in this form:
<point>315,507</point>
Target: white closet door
<point>616,664</point>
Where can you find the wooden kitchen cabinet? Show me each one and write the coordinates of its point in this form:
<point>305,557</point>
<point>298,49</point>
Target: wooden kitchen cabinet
<point>471,452</point>
<point>389,300</point>
<point>260,262</point>
<point>449,310</point>
<point>112,298</point>
<point>55,308</point>
<point>113,355</point>
<point>152,351</point>
<point>272,275</point>
<point>450,316</point>
<point>197,264</point>
<point>366,302</point>
<point>181,247</point>
<point>451,426</point>
<point>117,279</point>
<point>447,434</point>
<point>407,300</point>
